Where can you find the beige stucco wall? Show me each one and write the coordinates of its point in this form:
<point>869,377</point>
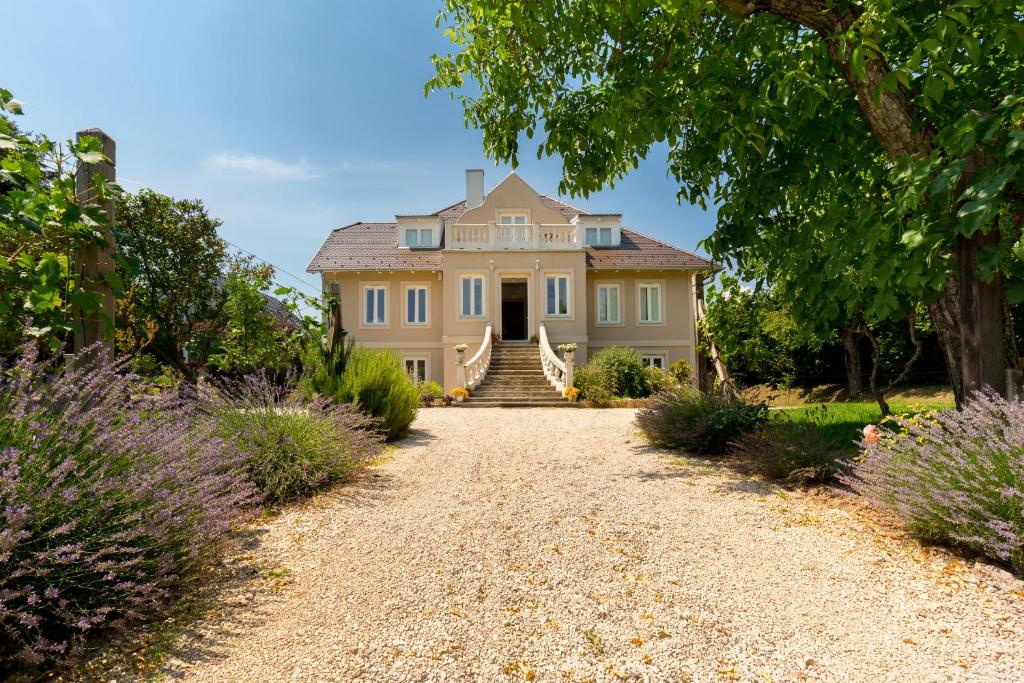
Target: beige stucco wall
<point>674,337</point>
<point>512,194</point>
<point>414,341</point>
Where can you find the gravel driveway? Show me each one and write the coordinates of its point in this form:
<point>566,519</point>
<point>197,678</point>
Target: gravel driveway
<point>554,544</point>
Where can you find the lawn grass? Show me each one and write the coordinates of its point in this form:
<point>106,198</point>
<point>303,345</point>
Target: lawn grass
<point>845,421</point>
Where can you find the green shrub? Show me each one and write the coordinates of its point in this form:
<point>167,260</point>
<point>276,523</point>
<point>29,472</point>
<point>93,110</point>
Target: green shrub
<point>654,380</point>
<point>683,417</point>
<point>800,448</point>
<point>375,380</point>
<point>624,370</point>
<point>430,390</point>
<point>292,448</point>
<point>592,383</point>
<point>681,371</point>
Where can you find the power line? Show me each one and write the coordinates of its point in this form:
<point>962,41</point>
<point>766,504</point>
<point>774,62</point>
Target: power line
<point>275,267</point>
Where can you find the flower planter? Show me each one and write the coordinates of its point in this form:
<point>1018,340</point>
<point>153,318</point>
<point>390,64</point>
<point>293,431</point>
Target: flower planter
<point>438,402</point>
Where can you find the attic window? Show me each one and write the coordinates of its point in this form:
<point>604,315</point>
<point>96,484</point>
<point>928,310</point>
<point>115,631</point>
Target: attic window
<point>599,236</point>
<point>419,237</point>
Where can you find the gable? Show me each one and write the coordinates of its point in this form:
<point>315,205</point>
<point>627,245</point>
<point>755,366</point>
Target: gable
<point>512,194</point>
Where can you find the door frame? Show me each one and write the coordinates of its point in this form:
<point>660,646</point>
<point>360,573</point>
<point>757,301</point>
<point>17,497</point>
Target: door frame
<point>517,276</point>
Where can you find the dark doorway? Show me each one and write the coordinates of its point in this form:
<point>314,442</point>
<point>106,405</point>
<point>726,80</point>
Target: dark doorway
<point>513,310</point>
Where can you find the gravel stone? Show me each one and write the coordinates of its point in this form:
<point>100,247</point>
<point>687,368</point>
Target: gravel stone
<point>554,544</point>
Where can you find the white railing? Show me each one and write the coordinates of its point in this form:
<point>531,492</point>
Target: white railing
<point>497,236</point>
<point>554,367</point>
<point>476,367</point>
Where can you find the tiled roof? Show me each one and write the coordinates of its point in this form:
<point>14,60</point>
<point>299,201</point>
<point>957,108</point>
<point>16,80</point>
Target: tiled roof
<point>374,246</point>
<point>637,251</point>
<point>371,246</point>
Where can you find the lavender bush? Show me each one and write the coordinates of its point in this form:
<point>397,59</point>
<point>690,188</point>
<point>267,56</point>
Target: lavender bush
<point>111,498</point>
<point>957,478</point>
<point>289,447</point>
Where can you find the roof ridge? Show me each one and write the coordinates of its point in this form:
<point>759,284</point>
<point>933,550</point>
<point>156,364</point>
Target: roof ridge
<point>347,226</point>
<point>574,208</point>
<point>666,244</point>
<point>450,206</point>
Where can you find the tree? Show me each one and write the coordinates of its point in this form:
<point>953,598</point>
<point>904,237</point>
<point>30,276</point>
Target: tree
<point>757,336</point>
<point>247,337</point>
<point>918,101</point>
<point>174,259</point>
<point>42,223</point>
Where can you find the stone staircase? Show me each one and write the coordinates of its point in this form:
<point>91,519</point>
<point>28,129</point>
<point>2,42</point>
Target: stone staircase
<point>515,378</point>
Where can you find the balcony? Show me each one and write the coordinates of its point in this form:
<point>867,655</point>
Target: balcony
<point>487,236</point>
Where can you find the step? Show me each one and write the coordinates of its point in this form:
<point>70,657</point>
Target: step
<point>542,392</point>
<point>518,403</point>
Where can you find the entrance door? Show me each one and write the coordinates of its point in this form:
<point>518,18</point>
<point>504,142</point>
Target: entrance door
<point>513,310</point>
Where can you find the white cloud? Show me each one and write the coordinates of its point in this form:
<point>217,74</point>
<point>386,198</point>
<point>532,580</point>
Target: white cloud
<point>264,167</point>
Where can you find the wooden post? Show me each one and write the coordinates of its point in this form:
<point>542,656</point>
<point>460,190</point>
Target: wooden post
<point>91,262</point>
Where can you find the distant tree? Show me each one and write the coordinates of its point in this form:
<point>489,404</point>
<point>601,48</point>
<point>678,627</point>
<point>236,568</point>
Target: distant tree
<point>762,101</point>
<point>174,258</point>
<point>246,337</point>
<point>757,337</point>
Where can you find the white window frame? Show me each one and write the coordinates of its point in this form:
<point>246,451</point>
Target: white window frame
<point>415,360</point>
<point>483,296</point>
<point>648,359</point>
<point>660,287</point>
<point>415,287</point>
<point>598,233</point>
<point>568,295</point>
<point>598,286</point>
<point>364,309</point>
<point>419,233</point>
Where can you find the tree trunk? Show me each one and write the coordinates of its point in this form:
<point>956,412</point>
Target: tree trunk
<point>851,352</point>
<point>945,314</point>
<point>982,324</point>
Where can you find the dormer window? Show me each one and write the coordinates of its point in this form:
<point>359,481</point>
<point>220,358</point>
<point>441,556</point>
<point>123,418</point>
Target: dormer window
<point>598,236</point>
<point>419,237</point>
<point>513,226</point>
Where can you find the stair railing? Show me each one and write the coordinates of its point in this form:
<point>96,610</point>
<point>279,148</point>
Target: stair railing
<point>476,367</point>
<point>554,367</point>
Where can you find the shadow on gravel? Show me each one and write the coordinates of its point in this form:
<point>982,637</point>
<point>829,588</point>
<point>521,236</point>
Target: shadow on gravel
<point>416,437</point>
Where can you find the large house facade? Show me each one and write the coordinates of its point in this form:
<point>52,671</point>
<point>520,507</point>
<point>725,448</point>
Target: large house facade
<point>510,265</point>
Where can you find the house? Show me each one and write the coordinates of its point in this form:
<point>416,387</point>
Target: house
<point>508,266</point>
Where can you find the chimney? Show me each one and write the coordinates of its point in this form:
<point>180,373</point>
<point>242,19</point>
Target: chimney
<point>474,187</point>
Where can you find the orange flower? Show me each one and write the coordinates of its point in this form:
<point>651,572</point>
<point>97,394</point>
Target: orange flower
<point>871,434</point>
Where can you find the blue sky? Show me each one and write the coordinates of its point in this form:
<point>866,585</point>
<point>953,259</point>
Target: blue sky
<point>287,119</point>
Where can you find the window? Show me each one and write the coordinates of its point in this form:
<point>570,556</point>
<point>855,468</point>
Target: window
<point>649,305</point>
<point>416,305</point>
<point>599,236</point>
<point>416,368</point>
<point>654,361</point>
<point>558,295</point>
<point>513,227</point>
<point>375,312</point>
<point>608,311</point>
<point>472,296</point>
<point>419,237</point>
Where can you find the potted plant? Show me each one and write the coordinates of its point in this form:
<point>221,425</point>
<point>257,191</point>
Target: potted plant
<point>460,350</point>
<point>431,393</point>
<point>460,394</point>
<point>568,350</point>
